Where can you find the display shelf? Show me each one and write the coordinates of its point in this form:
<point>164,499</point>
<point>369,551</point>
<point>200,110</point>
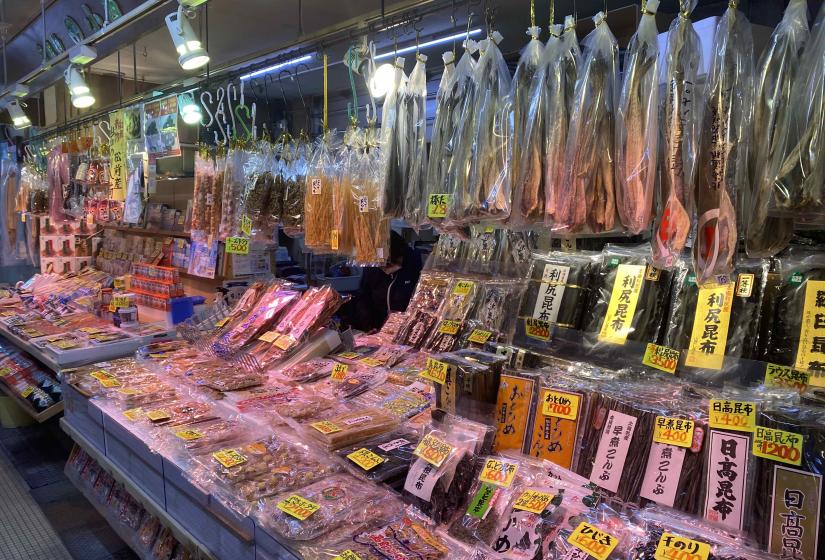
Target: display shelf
<point>150,232</point>
<point>38,417</point>
<point>181,534</point>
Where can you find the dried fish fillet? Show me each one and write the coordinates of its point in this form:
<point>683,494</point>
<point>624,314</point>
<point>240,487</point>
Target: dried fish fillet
<point>415,100</point>
<point>443,125</point>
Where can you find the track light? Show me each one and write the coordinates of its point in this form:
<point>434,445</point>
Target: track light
<point>191,54</point>
<point>78,88</point>
<point>18,117</point>
<point>189,110</point>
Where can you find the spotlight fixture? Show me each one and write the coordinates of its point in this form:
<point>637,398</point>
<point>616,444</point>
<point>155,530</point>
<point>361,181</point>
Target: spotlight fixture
<point>191,54</point>
<point>81,94</point>
<point>188,108</point>
<point>434,42</point>
<point>19,90</point>
<point>278,66</point>
<point>382,81</point>
<point>82,54</point>
<point>18,117</point>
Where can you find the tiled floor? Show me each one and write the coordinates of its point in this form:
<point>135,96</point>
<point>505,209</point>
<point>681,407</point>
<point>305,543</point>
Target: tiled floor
<point>49,504</point>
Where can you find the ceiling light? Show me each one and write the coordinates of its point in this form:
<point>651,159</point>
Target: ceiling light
<point>429,44</point>
<point>82,54</point>
<point>278,66</point>
<point>18,117</point>
<point>78,88</point>
<point>382,81</point>
<point>191,54</point>
<point>189,110</point>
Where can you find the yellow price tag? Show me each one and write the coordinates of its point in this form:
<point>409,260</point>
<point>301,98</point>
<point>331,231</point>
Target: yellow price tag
<point>595,542</point>
<point>778,445</point>
<point>333,240</point>
<point>463,287</point>
<point>339,372</point>
<point>326,427</point>
<point>365,458</point>
<point>229,458</point>
<point>283,342</point>
<point>119,301</point>
<point>674,547</point>
<point>479,336</point>
<point>433,450</point>
<point>673,431</point>
<point>129,391</point>
<point>537,328</point>
<point>437,205</point>
<point>436,371</point>
<point>784,376</point>
<point>66,344</point>
<point>560,405</point>
<point>133,414</point>
<point>732,415</point>
<point>298,507</point>
<point>109,382</point>
<point>246,225</point>
<point>27,391</point>
<point>347,555</point>
<point>348,355</point>
<point>371,362</point>
<point>188,435</point>
<point>237,245</point>
<point>269,336</point>
<point>158,355</point>
<point>222,322</point>
<point>661,357</point>
<point>4,371</point>
<point>158,415</point>
<point>533,501</point>
<point>449,327</point>
<point>498,472</point>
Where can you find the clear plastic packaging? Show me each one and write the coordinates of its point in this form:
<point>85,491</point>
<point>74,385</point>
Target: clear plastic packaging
<point>395,449</point>
<point>415,100</point>
<point>395,155</point>
<point>318,203</point>
<point>443,125</point>
<point>351,427</point>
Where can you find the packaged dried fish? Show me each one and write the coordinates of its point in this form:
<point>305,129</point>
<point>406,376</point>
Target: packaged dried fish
<point>587,198</point>
<point>680,129</point>
<point>369,224</point>
<point>492,320</point>
<point>443,125</point>
<point>723,149</point>
<point>637,125</point>
<point>202,193</point>
<point>394,152</point>
<point>318,207</point>
<point>415,99</point>
<point>777,69</point>
<point>232,193</point>
<point>306,372</point>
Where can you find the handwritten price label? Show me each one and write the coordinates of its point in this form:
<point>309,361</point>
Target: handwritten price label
<point>371,362</point>
<point>222,322</point>
<point>229,458</point>
<point>500,473</point>
<point>326,427</point>
<point>778,445</point>
<point>333,239</point>
<point>246,225</point>
<point>158,415</point>
<point>120,301</point>
<point>661,357</point>
<point>339,372</point>
<point>284,342</point>
<point>365,458</point>
<point>237,245</point>
<point>449,327</point>
<point>673,431</point>
<point>188,435</point>
<point>784,376</point>
<point>268,336</point>
<point>560,405</point>
<point>436,371</point>
<point>316,185</point>
<point>347,555</point>
<point>298,507</point>
<point>593,541</point>
<point>437,205</point>
<point>537,328</point>
<point>133,414</point>
<point>433,450</point>
<point>533,501</point>
<point>479,336</point>
<point>463,288</point>
<point>348,355</point>
<point>732,415</point>
<point>673,547</point>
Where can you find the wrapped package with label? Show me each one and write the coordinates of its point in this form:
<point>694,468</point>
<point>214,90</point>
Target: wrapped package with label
<point>600,532</point>
<point>471,383</point>
<point>382,459</point>
<point>351,427</point>
<point>515,408</point>
<point>492,319</point>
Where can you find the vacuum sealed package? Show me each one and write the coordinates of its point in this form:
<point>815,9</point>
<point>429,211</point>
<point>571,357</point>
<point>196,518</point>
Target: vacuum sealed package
<point>306,372</point>
<point>470,385</point>
<point>201,198</point>
<point>382,459</point>
<point>439,160</point>
<point>270,306</point>
<point>415,99</point>
<point>309,512</point>
<point>444,466</point>
<point>722,173</point>
<point>233,188</point>
<point>716,320</point>
<point>448,253</point>
<point>626,276</point>
<point>777,69</point>
<point>587,200</point>
<point>351,427</point>
<point>492,320</point>
<point>201,438</point>
<point>277,404</point>
<point>601,531</point>
<point>637,125</point>
<point>394,152</point>
<point>355,382</point>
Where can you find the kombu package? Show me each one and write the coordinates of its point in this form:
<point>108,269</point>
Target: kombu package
<point>471,385</point>
<point>514,410</point>
<point>395,449</point>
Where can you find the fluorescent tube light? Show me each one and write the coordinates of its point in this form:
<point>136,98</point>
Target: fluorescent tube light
<point>269,69</point>
<point>422,46</point>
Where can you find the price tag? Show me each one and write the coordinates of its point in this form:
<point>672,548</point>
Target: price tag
<point>449,327</point>
<point>371,362</point>
<point>363,204</point>
<point>119,301</point>
<point>673,431</point>
<point>560,405</point>
<point>537,328</point>
<point>159,355</point>
<point>783,376</point>
<point>500,473</point>
<point>269,336</point>
<point>90,330</point>
<point>237,245</point>
<point>222,322</point>
<point>229,458</point>
<point>4,371</point>
<point>246,225</point>
<point>158,415</point>
<point>673,547</point>
<point>66,344</point>
<point>533,501</point>
<point>365,458</point>
<point>661,358</point>
<point>339,372</point>
<point>732,415</point>
<point>437,205</point>
<point>349,355</point>
<point>316,185</point>
<point>595,542</point>
<point>433,450</point>
<point>479,336</point>
<point>27,391</point>
<point>333,240</point>
<point>778,445</point>
<point>188,435</point>
<point>133,414</point>
<point>436,371</point>
<point>109,382</point>
<point>298,507</point>
<point>326,427</point>
<point>347,555</point>
<point>129,391</point>
<point>463,288</point>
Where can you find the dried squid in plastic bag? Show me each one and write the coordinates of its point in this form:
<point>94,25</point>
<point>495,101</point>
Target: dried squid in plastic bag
<point>443,126</point>
<point>415,101</point>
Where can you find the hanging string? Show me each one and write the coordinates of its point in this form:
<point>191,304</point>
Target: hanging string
<point>326,94</point>
<point>552,13</point>
<point>532,13</point>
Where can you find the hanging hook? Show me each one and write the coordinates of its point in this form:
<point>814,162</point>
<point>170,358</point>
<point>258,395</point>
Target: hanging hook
<point>453,27</point>
<point>352,107</point>
<point>283,94</point>
<point>418,30</point>
<point>297,79</point>
<point>371,117</point>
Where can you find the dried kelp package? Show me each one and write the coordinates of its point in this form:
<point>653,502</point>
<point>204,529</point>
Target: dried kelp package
<point>798,187</point>
<point>775,74</point>
<point>629,296</point>
<point>515,406</point>
<point>526,157</point>
<point>492,319</point>
<point>607,526</point>
<point>439,158</point>
<point>394,153</point>
<point>557,290</point>
<point>637,125</point>
<point>680,129</point>
<point>796,336</point>
<point>470,386</point>
<point>716,320</point>
<point>586,201</point>
<point>415,99</point>
<point>722,174</point>
<point>788,495</point>
<point>728,478</point>
<point>395,451</point>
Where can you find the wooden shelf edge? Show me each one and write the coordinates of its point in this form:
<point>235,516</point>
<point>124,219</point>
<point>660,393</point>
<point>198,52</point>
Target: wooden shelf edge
<point>38,417</point>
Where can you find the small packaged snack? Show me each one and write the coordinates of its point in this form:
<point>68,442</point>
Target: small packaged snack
<point>382,459</point>
<point>351,427</point>
<point>306,372</point>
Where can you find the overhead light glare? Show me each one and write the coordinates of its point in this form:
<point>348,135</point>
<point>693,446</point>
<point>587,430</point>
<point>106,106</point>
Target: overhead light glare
<point>278,66</point>
<point>191,54</point>
<point>189,110</point>
<point>428,44</point>
<point>18,117</point>
<point>382,81</point>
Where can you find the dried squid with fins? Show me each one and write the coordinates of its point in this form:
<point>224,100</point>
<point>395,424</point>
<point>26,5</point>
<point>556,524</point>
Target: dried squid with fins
<point>443,125</point>
<point>416,116</point>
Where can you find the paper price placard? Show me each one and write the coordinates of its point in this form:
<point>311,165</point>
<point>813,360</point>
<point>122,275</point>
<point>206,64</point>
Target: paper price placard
<point>189,435</point>
<point>784,376</point>
<point>533,501</point>
<point>437,205</point>
<point>661,357</point>
<point>433,450</point>
<point>298,507</point>
<point>365,458</point>
<point>537,328</point>
<point>732,415</point>
<point>479,336</point>
<point>246,225</point>
<point>674,547</point>
<point>229,458</point>
<point>673,431</point>
<point>269,336</point>
<point>560,405</point>
<point>339,372</point>
<point>449,327</point>
<point>326,427</point>
<point>593,541</point>
<point>237,245</point>
<point>347,555</point>
<point>500,473</point>
<point>778,445</point>
<point>436,371</point>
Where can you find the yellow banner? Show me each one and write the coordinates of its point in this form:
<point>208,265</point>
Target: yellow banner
<point>710,327</point>
<point>811,353</point>
<point>618,321</point>
<point>117,156</point>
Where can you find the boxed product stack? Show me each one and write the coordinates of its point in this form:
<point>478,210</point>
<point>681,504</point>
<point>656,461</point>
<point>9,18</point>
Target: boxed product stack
<point>155,286</point>
<point>65,247</point>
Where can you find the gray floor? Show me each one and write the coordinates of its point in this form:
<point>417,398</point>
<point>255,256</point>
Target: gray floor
<point>49,519</point>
